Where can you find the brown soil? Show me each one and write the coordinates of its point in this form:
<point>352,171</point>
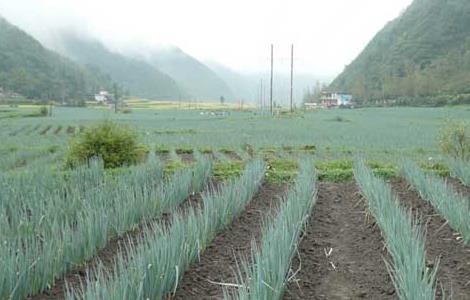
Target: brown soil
<point>459,186</point>
<point>232,155</point>
<point>165,157</point>
<point>454,266</point>
<point>218,263</point>
<point>107,255</point>
<point>70,130</point>
<point>45,130</point>
<point>341,252</point>
<point>187,157</point>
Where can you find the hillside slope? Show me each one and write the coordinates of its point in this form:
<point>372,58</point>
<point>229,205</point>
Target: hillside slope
<point>140,78</point>
<point>417,57</point>
<point>29,69</point>
<point>200,82</point>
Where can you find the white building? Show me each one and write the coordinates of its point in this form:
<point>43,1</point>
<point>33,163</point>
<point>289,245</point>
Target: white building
<point>102,97</point>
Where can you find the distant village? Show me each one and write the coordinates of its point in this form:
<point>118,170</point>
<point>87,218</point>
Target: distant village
<point>332,100</point>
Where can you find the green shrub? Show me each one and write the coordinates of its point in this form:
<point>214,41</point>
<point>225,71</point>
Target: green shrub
<point>115,144</point>
<point>454,140</point>
<point>43,111</point>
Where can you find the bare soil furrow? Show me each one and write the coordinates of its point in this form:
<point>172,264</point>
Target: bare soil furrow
<point>459,186</point>
<point>341,255</point>
<point>218,263</point>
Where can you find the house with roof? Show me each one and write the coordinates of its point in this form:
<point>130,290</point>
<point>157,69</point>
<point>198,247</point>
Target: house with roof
<point>335,99</point>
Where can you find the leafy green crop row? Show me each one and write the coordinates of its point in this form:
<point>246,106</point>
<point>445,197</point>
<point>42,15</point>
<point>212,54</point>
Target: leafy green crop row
<point>404,238</point>
<point>451,205</point>
<point>266,277</point>
<point>460,169</point>
<point>152,268</point>
<point>50,229</point>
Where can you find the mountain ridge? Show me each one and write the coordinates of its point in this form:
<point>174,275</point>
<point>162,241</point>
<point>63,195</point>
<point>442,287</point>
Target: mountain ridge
<point>30,69</point>
<point>421,55</point>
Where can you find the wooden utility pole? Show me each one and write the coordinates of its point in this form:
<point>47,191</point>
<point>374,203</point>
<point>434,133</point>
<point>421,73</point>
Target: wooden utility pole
<point>271,89</point>
<point>291,77</point>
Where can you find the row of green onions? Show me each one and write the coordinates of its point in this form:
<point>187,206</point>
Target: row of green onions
<point>454,207</point>
<point>405,239</point>
<point>460,169</point>
<point>152,268</point>
<point>60,222</point>
<point>267,275</point>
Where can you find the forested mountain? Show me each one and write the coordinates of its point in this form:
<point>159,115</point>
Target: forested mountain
<point>29,69</point>
<point>200,82</point>
<point>137,76</point>
<point>422,56</point>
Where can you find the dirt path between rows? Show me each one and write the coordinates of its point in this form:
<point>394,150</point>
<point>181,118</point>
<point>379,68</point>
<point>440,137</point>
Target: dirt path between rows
<point>217,264</point>
<point>107,255</point>
<point>454,266</point>
<point>459,186</point>
<point>341,253</point>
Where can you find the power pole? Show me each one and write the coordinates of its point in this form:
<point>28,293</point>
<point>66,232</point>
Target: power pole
<point>271,89</point>
<point>261,95</point>
<point>291,77</point>
<point>116,98</point>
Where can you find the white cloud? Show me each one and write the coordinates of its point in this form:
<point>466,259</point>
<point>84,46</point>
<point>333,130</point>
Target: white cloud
<point>327,34</point>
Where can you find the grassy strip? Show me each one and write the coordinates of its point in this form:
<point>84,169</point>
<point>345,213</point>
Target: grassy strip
<point>267,276</point>
<point>450,204</point>
<point>52,246</point>
<point>281,170</point>
<point>460,169</point>
<point>158,261</point>
<point>342,170</point>
<point>404,238</point>
<point>227,170</point>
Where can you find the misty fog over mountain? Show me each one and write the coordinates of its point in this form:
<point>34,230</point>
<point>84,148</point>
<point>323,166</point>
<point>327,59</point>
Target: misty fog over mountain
<point>208,50</point>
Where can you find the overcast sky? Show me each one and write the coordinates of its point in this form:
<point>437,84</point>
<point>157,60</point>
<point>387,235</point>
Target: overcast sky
<point>327,34</point>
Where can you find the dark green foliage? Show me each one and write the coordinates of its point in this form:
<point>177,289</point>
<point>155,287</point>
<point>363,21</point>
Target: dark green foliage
<point>43,111</point>
<point>27,68</point>
<point>116,144</point>
<point>422,57</point>
<point>184,150</point>
<point>142,79</point>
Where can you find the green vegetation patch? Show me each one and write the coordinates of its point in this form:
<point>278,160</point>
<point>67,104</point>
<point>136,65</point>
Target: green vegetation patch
<point>228,169</point>
<point>206,150</point>
<point>436,168</point>
<point>162,149</point>
<point>302,148</point>
<point>281,170</point>
<point>184,150</point>
<point>115,144</point>
<point>342,170</point>
<point>172,165</point>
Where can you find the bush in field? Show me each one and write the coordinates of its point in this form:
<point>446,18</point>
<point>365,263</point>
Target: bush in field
<point>43,111</point>
<point>115,144</point>
<point>454,140</point>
